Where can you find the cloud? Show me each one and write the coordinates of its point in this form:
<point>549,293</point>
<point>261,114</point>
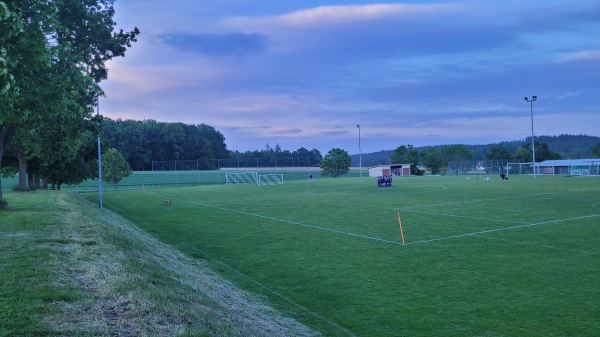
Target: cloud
<point>404,72</point>
<point>229,44</point>
<point>584,55</point>
<point>286,131</point>
<point>335,15</point>
<point>352,13</point>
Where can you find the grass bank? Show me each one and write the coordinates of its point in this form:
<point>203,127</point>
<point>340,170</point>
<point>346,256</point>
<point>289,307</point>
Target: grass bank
<point>68,269</point>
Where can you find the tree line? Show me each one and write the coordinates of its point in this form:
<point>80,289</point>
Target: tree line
<point>52,58</point>
<point>548,147</point>
<point>435,159</point>
<point>267,157</point>
<point>141,142</point>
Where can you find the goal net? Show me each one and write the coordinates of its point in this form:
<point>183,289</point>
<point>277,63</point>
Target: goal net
<point>270,179</point>
<point>242,178</point>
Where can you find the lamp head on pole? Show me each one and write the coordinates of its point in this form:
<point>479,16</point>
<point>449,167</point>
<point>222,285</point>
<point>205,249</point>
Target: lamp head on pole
<point>358,126</point>
<point>533,98</point>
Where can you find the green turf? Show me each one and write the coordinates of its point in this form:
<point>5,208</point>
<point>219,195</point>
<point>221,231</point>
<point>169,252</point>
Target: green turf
<point>482,258</point>
<point>167,179</point>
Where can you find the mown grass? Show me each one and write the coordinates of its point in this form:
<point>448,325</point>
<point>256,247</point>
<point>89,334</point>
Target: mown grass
<point>482,258</point>
<point>70,269</point>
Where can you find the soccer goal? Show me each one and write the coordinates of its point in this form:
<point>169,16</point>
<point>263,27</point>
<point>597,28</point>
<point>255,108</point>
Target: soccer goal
<point>270,179</point>
<point>242,178</point>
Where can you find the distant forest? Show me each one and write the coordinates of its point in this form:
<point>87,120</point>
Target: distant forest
<point>142,142</point>
<point>568,146</point>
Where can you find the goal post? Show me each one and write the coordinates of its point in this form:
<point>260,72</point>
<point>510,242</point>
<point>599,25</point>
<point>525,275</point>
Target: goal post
<point>270,179</point>
<point>242,178</point>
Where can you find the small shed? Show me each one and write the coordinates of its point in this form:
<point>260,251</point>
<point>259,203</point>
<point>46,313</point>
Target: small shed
<point>389,170</point>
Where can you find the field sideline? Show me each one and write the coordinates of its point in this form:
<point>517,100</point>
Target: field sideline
<point>482,258</point>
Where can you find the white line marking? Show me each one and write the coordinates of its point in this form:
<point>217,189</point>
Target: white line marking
<point>502,229</point>
<point>537,245</point>
<point>289,221</point>
<point>499,198</point>
<point>379,239</point>
<point>239,273</point>
<point>457,216</point>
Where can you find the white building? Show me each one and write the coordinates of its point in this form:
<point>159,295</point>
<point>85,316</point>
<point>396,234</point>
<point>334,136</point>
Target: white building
<point>389,170</point>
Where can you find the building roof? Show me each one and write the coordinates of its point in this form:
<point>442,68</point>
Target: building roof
<point>570,162</point>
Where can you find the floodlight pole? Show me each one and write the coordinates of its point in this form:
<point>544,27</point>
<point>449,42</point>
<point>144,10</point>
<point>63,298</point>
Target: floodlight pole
<point>359,151</point>
<point>99,156</point>
<point>530,101</point>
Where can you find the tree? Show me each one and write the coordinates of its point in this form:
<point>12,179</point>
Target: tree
<point>114,167</point>
<point>315,158</point>
<point>523,153</point>
<point>399,155</point>
<point>596,151</point>
<point>52,58</point>
<point>336,163</point>
<point>455,152</point>
<point>433,160</point>
<point>543,152</point>
<point>413,156</point>
<point>497,152</point>
<point>407,155</point>
<point>23,57</point>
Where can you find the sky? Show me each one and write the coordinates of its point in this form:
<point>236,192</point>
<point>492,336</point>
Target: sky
<point>305,73</point>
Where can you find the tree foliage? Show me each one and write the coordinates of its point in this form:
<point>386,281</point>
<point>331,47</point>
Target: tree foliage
<point>432,159</point>
<point>542,152</point>
<point>456,152</point>
<point>53,54</point>
<point>268,156</point>
<point>114,167</point>
<point>399,155</point>
<point>596,150</point>
<point>336,163</point>
<point>142,142</point>
<point>497,152</point>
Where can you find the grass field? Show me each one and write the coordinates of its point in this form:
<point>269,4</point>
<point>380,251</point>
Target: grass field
<point>518,257</point>
<point>70,269</point>
<point>169,179</point>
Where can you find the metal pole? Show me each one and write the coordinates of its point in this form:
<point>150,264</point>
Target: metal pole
<point>532,140</point>
<point>530,101</point>
<point>359,151</point>
<point>99,157</point>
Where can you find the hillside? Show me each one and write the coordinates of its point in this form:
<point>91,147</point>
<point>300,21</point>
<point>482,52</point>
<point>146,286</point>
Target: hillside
<point>569,147</point>
<point>79,270</point>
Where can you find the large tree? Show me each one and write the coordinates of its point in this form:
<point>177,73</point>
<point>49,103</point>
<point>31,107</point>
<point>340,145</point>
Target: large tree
<point>23,57</point>
<point>52,58</point>
<point>497,152</point>
<point>407,155</point>
<point>398,157</point>
<point>455,152</point>
<point>336,163</point>
<point>433,160</point>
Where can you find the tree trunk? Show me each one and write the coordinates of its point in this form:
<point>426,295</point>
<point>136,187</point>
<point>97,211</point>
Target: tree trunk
<point>6,132</point>
<point>1,155</point>
<point>22,173</point>
<point>36,180</point>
